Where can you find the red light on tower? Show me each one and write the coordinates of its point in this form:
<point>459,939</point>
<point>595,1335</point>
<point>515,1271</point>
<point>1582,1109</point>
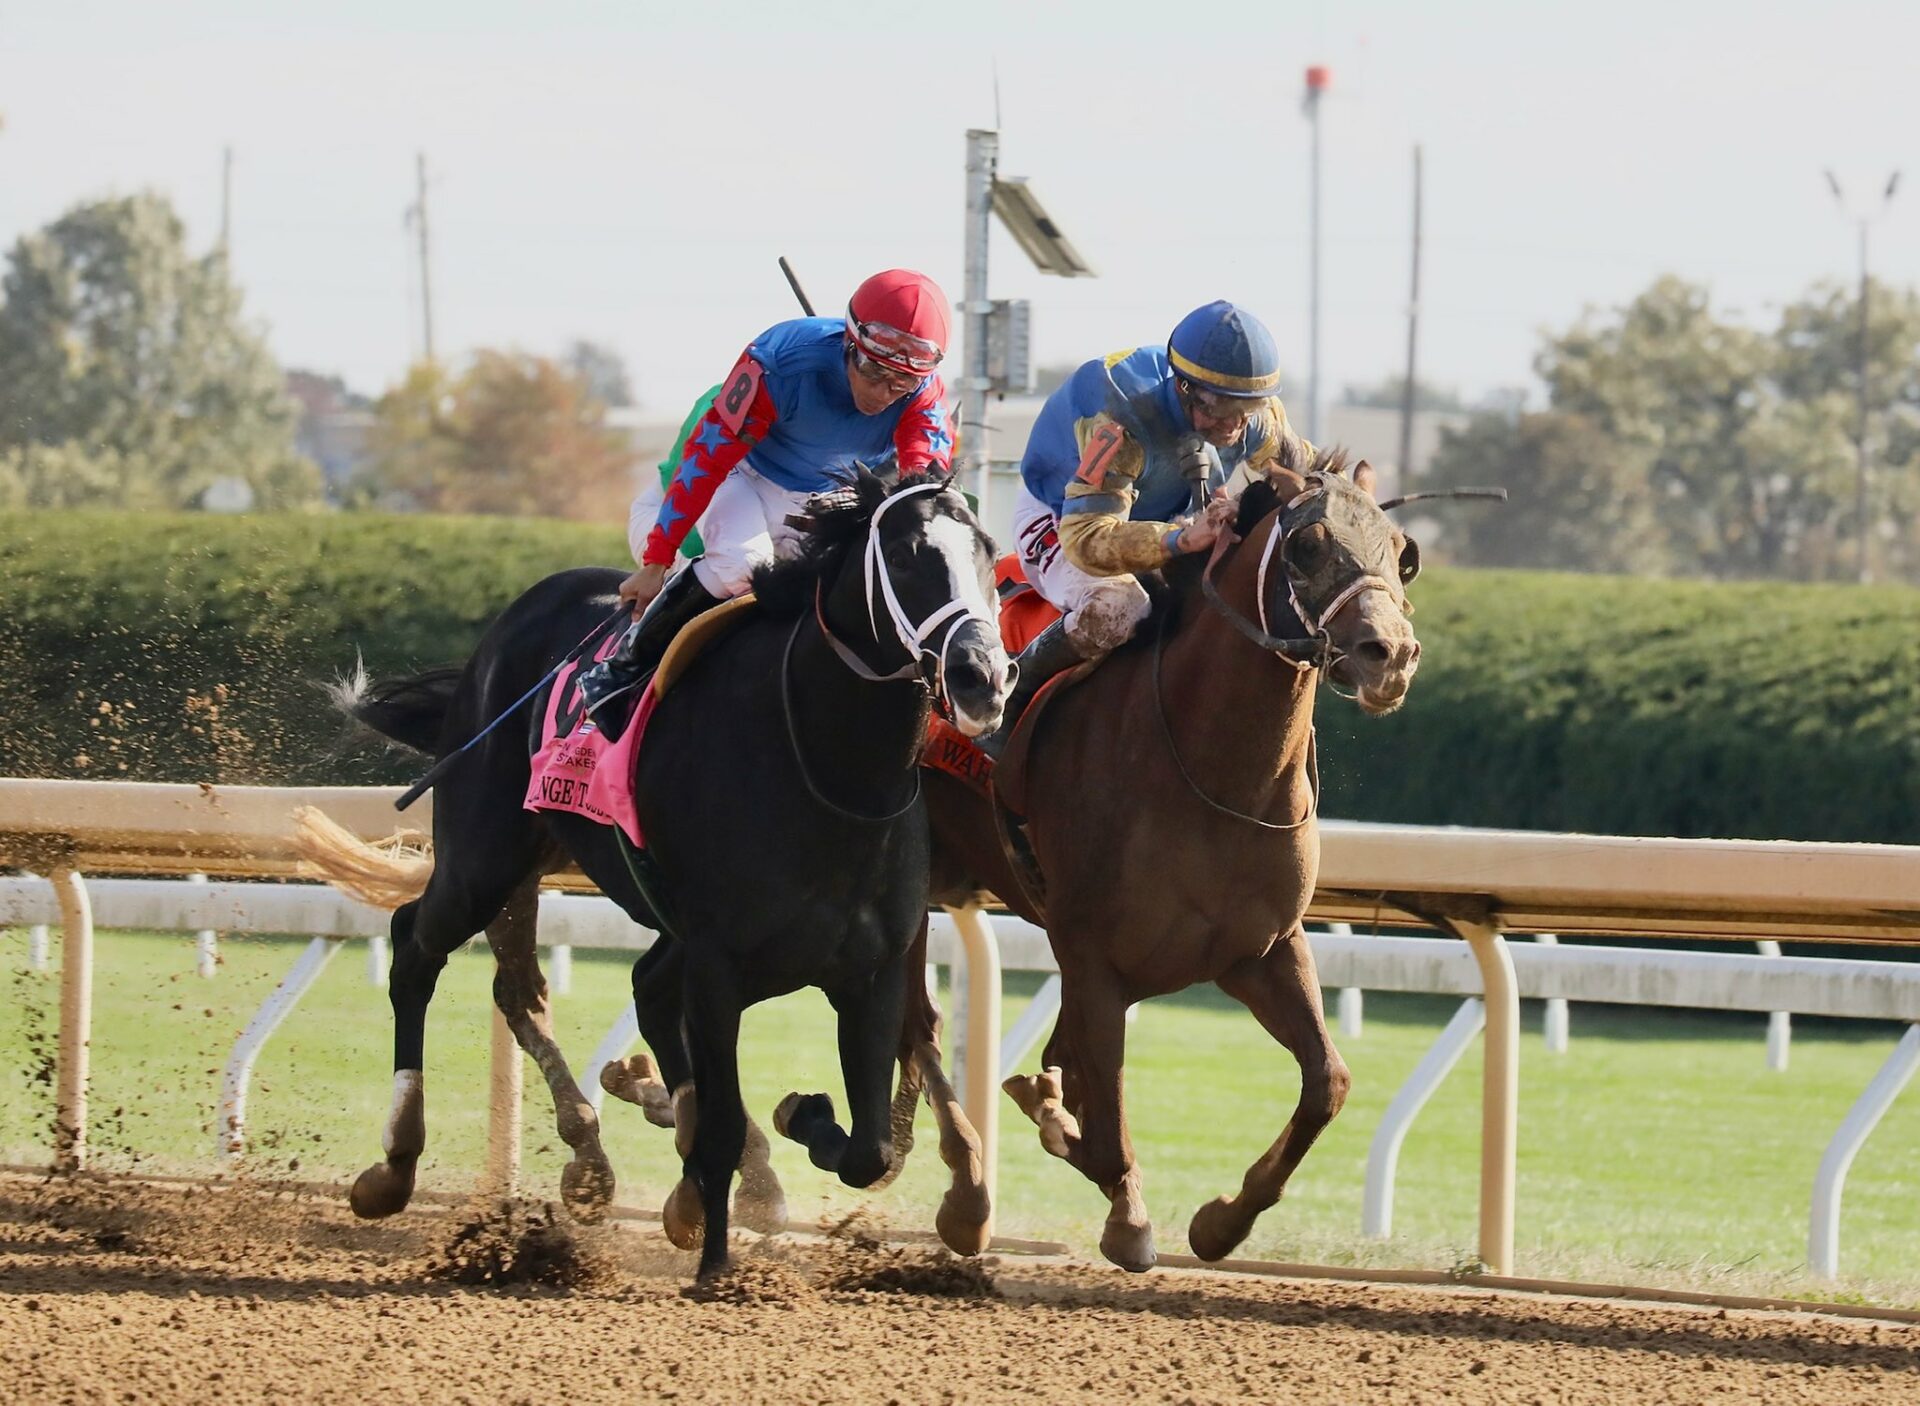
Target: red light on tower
<point>1319,78</point>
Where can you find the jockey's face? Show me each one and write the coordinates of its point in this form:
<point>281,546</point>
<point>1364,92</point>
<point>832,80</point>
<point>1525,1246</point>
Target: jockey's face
<point>1220,419</point>
<point>874,386</point>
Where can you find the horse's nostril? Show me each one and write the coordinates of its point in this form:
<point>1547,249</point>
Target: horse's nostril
<point>1413,654</point>
<point>1374,652</point>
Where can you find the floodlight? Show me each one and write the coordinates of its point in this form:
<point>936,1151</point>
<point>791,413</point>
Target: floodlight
<point>1034,230</point>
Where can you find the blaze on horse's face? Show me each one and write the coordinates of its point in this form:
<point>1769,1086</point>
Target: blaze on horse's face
<point>934,552</point>
<point>1337,544</point>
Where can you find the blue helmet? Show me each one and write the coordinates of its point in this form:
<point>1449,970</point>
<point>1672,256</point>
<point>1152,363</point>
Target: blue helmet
<point>1227,350</point>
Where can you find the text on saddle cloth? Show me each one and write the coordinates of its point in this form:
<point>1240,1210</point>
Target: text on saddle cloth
<point>576,769</point>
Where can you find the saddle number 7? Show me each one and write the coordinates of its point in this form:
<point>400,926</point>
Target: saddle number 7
<point>742,388</point>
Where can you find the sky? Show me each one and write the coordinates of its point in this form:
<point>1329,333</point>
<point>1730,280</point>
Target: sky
<point>630,171</point>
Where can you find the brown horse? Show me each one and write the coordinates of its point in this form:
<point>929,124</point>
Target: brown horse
<point>1170,802</point>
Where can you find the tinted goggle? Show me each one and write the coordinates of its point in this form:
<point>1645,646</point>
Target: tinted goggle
<point>1221,407</point>
<point>895,350</point>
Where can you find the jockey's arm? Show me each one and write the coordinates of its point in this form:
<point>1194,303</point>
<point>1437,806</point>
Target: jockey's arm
<point>922,440</point>
<point>739,419</point>
<point>1095,531</point>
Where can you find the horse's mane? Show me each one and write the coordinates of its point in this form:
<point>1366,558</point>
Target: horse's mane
<point>834,521</point>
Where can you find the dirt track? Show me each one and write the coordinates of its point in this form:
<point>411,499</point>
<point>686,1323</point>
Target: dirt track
<point>132,1294</point>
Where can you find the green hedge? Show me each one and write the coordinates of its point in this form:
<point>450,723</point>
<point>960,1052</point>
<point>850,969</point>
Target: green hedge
<point>174,647</point>
<point>187,647</point>
<point>1628,706</point>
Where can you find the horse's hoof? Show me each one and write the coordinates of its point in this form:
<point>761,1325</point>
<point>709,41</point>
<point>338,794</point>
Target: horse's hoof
<point>1129,1246</point>
<point>684,1219</point>
<point>1217,1229</point>
<point>801,1109</point>
<point>586,1188</point>
<point>637,1081</point>
<point>765,1215</point>
<point>965,1221</point>
<point>382,1190</point>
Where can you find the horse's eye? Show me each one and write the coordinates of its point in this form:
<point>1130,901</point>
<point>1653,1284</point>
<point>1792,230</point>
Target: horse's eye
<point>1308,546</point>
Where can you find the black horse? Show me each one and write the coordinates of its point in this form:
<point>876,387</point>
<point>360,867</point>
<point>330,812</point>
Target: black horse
<point>778,792</point>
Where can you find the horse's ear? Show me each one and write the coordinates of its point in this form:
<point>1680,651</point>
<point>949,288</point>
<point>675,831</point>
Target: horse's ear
<point>1365,479</point>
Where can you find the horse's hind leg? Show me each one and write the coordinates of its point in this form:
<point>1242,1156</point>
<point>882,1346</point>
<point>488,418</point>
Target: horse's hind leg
<point>462,897</point>
<point>658,977</point>
<point>1282,990</point>
<point>870,1021</point>
<point>520,991</point>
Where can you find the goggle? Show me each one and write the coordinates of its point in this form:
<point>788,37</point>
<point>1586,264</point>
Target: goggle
<point>894,349</point>
<point>899,382</point>
<point>1221,407</point>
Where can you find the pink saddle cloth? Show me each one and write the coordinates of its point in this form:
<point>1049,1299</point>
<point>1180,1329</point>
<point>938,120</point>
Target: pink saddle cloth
<point>576,769</point>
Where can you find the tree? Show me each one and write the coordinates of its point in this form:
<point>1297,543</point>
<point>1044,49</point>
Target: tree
<point>513,434</point>
<point>603,372</point>
<point>1578,500</point>
<point>126,374</point>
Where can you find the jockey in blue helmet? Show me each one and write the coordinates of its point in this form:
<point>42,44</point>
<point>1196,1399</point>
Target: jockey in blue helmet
<point>1119,457</point>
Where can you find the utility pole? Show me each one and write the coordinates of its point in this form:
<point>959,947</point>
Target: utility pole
<point>226,202</point>
<point>983,158</point>
<point>1319,79</point>
<point>1862,527</point>
<point>1413,343</point>
<point>419,215</point>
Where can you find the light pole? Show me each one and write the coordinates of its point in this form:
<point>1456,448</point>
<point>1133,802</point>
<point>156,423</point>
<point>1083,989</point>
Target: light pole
<point>1860,432</point>
<point>1319,79</point>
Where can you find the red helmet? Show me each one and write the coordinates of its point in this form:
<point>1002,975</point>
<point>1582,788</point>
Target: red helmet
<point>899,319</point>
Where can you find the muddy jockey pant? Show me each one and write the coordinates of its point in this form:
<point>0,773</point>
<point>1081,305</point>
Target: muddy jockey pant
<point>1102,612</point>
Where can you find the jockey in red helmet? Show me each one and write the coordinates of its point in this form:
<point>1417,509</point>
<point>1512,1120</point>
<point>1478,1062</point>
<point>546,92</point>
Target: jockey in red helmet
<point>807,401</point>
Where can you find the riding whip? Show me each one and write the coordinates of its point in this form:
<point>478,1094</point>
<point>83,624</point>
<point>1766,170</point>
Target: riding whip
<point>793,282</point>
<point>439,768</point>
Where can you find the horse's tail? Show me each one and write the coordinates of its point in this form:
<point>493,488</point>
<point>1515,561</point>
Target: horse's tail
<point>411,711</point>
<point>386,875</point>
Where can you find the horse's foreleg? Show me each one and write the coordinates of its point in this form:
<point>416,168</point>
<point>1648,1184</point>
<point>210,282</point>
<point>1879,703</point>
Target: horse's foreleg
<point>1282,990</point>
<point>1092,1039</point>
<point>519,990</point>
<point>719,1136</point>
<point>966,1211</point>
<point>921,1026</point>
<point>870,1014</point>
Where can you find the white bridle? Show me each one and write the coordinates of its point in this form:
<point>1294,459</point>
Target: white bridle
<point>913,637</point>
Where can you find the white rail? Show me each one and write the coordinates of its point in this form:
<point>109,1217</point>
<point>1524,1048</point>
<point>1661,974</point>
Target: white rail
<point>1728,981</point>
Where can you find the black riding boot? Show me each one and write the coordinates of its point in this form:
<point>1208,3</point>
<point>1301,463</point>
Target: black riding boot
<point>1048,653</point>
<point>645,642</point>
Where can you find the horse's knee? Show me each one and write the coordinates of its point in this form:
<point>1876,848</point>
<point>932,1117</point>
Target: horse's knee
<point>1322,1099</point>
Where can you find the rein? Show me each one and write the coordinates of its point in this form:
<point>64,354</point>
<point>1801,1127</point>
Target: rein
<point>1301,655</point>
<point>793,737</point>
<point>1173,749</point>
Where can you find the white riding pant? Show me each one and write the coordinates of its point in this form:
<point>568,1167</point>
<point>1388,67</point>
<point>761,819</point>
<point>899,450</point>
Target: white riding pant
<point>1102,612</point>
<point>745,526</point>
